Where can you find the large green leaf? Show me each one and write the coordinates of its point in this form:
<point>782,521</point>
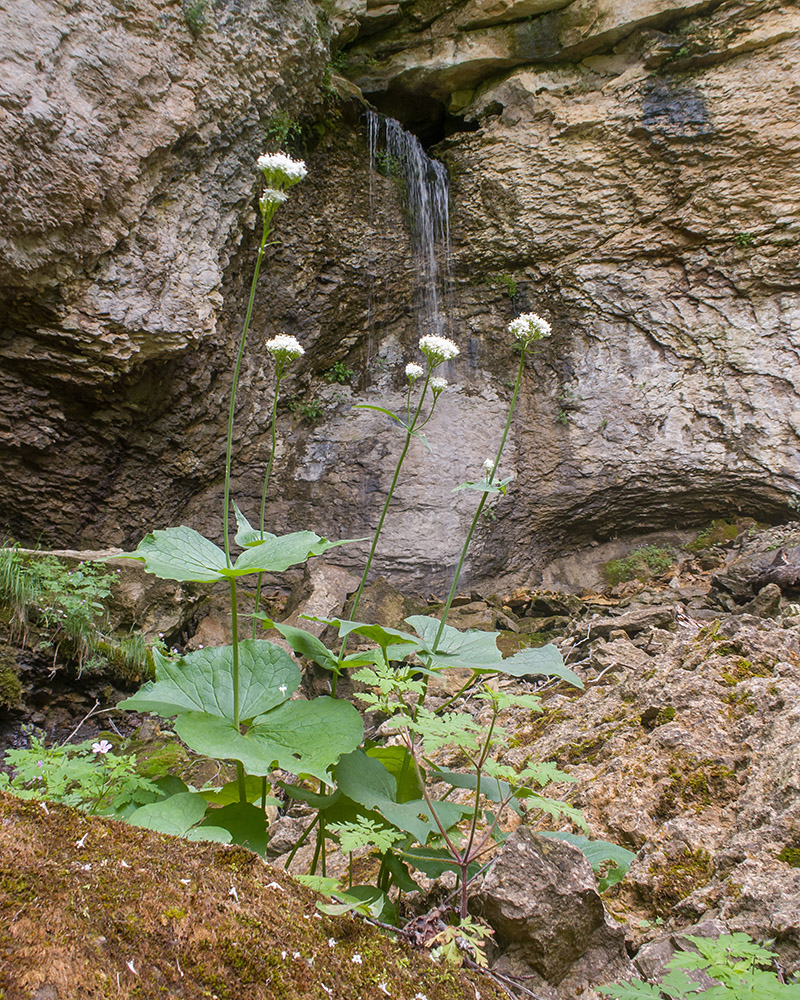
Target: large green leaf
<point>202,681</point>
<point>278,552</point>
<point>494,790</point>
<point>384,637</point>
<point>179,554</point>
<point>546,660</point>
<point>246,824</point>
<point>599,854</point>
<point>435,861</point>
<point>302,737</point>
<point>476,650</point>
<point>398,762</point>
<point>178,815</point>
<point>365,780</point>
<point>304,643</point>
<point>229,792</point>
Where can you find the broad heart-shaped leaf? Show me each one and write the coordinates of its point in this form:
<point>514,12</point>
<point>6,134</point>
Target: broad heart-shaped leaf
<point>177,815</point>
<point>229,793</point>
<point>397,761</point>
<point>202,681</point>
<point>302,737</point>
<point>304,643</point>
<point>545,660</point>
<point>476,650</point>
<point>246,824</point>
<point>366,781</point>
<point>278,552</point>
<point>180,554</point>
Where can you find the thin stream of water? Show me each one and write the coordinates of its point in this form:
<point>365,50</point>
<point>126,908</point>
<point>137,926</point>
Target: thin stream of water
<point>396,152</point>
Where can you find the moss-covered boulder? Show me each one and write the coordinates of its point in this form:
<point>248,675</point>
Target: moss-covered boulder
<point>93,908</point>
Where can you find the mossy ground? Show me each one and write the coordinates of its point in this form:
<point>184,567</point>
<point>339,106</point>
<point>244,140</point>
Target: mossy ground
<point>92,908</point>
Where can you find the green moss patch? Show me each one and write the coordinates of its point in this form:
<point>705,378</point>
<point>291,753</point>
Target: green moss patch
<point>679,878</point>
<point>91,908</point>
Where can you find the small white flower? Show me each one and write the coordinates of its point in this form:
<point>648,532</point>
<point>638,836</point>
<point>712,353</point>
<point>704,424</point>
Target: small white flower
<point>438,349</point>
<point>382,988</point>
<point>414,371</point>
<point>284,349</point>
<point>529,327</point>
<point>280,170</point>
<point>488,466</point>
<point>283,689</point>
<point>356,959</point>
<point>295,954</point>
<point>103,746</point>
<point>437,384</point>
<point>331,942</point>
<point>271,198</point>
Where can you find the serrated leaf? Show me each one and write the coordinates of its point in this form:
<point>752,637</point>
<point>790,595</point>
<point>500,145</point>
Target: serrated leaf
<point>366,781</point>
<point>545,660</point>
<point>278,552</point>
<point>319,883</point>
<point>202,681</point>
<point>216,834</point>
<point>302,737</point>
<point>180,554</point>
<point>384,637</point>
<point>494,790</point>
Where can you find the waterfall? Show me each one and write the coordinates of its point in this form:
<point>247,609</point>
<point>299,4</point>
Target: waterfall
<point>395,152</point>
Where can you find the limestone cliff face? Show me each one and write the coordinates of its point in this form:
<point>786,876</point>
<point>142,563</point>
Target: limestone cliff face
<point>628,170</point>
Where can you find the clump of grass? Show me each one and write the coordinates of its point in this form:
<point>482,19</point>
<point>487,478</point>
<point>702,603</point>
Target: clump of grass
<point>641,564</point>
<point>67,608</point>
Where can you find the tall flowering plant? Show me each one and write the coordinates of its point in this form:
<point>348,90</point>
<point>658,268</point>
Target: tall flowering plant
<point>234,702</point>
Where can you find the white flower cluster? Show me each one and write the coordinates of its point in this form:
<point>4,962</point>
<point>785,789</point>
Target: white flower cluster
<point>438,349</point>
<point>414,371</point>
<point>271,197</point>
<point>437,384</point>
<point>284,349</point>
<point>280,170</point>
<point>529,327</point>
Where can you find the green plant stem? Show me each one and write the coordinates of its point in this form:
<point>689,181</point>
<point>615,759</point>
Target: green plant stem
<point>485,496</point>
<point>236,702</point>
<point>403,453</point>
<point>264,490</point>
<point>302,840</point>
<point>232,407</point>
